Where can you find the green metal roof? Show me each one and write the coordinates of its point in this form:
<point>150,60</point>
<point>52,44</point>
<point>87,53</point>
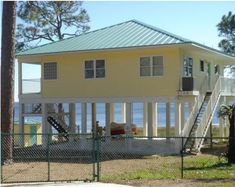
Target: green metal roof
<point>128,34</point>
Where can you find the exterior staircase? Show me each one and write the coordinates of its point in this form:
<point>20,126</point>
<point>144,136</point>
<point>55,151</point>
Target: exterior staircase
<point>57,120</point>
<point>200,118</point>
<point>54,123</point>
<point>36,108</point>
<point>191,141</point>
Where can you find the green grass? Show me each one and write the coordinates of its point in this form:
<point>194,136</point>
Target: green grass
<point>195,167</point>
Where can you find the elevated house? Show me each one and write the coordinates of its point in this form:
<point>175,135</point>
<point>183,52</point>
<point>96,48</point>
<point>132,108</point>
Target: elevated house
<point>126,63</point>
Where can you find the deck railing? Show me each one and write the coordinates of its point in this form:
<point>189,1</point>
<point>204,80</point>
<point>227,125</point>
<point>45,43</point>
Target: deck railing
<point>228,85</point>
<point>208,114</point>
<point>30,86</point>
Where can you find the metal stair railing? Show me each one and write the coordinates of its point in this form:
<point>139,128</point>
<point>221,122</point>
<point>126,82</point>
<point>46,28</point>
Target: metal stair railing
<point>59,116</point>
<point>208,114</point>
<point>188,125</point>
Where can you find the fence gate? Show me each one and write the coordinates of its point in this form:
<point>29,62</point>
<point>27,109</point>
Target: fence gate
<point>51,158</point>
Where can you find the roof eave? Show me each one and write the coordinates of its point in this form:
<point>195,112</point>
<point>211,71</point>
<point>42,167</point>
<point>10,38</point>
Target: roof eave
<point>212,50</point>
<point>104,49</point>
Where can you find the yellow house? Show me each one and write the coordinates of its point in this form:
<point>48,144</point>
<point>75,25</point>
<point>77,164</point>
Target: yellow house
<point>126,63</point>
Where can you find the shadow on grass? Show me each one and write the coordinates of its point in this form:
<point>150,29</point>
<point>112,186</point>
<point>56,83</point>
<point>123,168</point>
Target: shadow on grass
<point>214,166</point>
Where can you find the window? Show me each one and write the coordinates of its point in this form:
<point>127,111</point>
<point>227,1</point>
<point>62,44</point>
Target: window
<point>94,69</point>
<point>188,67</point>
<point>50,71</point>
<point>217,69</point>
<point>202,65</point>
<point>151,66</point>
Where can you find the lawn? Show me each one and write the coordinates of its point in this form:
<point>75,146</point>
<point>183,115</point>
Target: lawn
<point>204,169</point>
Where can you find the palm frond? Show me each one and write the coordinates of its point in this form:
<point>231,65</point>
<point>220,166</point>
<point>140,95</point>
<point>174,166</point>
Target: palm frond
<point>225,110</point>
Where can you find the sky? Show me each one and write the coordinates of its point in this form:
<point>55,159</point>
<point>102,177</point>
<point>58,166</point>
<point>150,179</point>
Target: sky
<point>192,20</point>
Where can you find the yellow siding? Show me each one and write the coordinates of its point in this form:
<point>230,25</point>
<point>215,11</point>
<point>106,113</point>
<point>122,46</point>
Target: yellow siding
<point>122,75</point>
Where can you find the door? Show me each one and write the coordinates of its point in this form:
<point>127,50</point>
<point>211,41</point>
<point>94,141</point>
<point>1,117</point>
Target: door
<point>33,135</point>
<point>209,75</point>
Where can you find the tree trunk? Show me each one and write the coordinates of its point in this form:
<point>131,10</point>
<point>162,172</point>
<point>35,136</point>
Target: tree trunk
<point>7,77</point>
<point>231,146</point>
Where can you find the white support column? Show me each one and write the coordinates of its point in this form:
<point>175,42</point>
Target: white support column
<point>168,119</point>
<point>177,118</point>
<point>123,112</point>
<point>84,118</point>
<point>107,119</point>
<point>155,116</point>
<point>182,115</point>
<point>145,119</point>
<point>151,119</point>
<point>44,125</point>
<point>112,117</point>
<point>128,118</point>
<point>190,105</point>
<point>21,125</point>
<point>127,129</point>
<point>72,118</point>
<point>19,78</point>
<point>93,117</point>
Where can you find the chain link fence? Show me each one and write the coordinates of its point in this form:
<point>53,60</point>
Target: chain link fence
<point>52,157</point>
<point>47,157</point>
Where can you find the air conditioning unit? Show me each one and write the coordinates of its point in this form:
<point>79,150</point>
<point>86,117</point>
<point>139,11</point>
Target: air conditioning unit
<point>187,83</point>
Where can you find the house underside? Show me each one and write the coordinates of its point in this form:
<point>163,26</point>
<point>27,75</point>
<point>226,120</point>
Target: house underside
<point>149,142</point>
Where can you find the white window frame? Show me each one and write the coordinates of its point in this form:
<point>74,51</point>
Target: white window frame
<point>184,75</point>
<point>151,66</point>
<point>94,69</point>
<point>43,71</point>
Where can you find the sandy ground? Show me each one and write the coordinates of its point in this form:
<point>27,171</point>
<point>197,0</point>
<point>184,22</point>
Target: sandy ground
<point>38,171</point>
<point>182,183</point>
<point>64,184</point>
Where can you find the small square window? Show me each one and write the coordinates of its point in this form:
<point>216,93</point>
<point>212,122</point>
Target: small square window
<point>94,69</point>
<point>50,71</point>
<point>151,66</point>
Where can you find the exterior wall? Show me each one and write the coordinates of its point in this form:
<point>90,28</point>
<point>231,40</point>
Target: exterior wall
<point>122,75</point>
<point>199,76</point>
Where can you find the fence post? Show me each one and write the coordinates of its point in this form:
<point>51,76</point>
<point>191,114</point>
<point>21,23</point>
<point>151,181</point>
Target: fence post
<point>48,155</point>
<point>98,158</point>
<point>182,157</point>
<point>95,150</point>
